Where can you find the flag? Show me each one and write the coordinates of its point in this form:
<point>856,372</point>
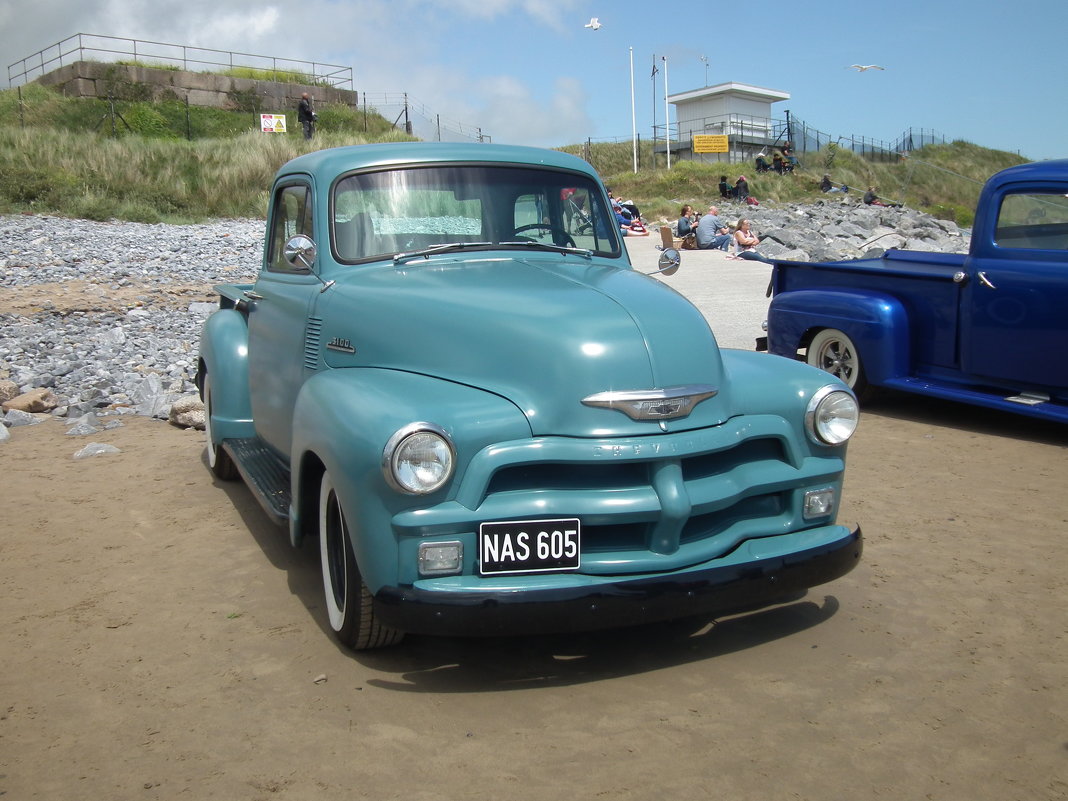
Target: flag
<point>655,70</point>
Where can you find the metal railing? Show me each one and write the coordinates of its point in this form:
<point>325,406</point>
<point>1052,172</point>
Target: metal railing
<point>751,136</point>
<point>94,47</point>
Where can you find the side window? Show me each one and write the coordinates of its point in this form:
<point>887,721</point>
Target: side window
<point>1033,221</point>
<point>292,215</point>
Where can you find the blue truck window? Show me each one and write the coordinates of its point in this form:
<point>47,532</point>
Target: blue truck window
<point>292,216</point>
<point>1033,221</point>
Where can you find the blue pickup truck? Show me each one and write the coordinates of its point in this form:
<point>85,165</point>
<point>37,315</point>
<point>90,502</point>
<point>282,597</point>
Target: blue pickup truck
<point>989,327</point>
<point>449,379</point>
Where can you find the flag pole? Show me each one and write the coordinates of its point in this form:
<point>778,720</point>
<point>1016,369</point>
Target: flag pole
<point>633,118</point>
<point>667,116</point>
<point>652,78</point>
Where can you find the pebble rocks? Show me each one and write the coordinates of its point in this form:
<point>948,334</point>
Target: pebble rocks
<point>118,358</point>
<point>141,358</point>
<point>839,228</point>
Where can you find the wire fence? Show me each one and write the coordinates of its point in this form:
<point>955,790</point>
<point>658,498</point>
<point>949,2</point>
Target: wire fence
<point>416,118</point>
<point>806,138</point>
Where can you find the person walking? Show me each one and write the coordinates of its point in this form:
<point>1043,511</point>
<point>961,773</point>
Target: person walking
<point>306,116</point>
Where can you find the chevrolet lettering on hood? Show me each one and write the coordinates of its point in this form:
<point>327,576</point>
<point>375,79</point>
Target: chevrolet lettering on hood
<point>532,437</point>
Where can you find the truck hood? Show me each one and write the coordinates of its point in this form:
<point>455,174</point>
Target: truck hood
<point>544,331</point>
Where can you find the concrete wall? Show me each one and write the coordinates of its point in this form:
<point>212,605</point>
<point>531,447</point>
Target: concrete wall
<point>97,79</point>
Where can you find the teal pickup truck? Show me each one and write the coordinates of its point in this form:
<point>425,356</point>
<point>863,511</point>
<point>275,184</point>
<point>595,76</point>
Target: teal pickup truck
<point>450,379</point>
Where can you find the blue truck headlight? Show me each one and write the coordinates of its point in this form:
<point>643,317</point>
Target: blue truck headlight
<point>832,415</point>
<point>418,459</point>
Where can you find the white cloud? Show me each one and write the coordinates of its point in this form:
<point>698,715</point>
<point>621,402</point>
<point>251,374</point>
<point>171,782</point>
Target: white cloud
<point>413,46</point>
<point>514,115</point>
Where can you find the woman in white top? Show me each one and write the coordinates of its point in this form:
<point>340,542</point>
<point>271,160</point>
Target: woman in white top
<point>746,242</point>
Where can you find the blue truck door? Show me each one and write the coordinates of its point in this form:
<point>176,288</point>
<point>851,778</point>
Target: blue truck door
<point>277,320</point>
<point>1015,312</point>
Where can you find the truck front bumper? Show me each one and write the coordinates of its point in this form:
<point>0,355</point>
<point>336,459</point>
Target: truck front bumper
<point>709,591</point>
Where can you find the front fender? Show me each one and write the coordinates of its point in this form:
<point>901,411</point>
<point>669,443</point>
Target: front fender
<point>342,421</point>
<point>224,354</point>
<point>877,323</point>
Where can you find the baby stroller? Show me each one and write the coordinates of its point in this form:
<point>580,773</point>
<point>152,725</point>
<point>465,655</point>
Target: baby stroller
<point>578,220</point>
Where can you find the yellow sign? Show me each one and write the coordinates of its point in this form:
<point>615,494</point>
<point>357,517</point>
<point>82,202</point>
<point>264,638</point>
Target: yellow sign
<point>273,123</point>
<point>710,143</point>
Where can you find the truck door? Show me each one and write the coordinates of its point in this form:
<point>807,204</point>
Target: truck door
<point>1015,300</point>
<point>282,301</point>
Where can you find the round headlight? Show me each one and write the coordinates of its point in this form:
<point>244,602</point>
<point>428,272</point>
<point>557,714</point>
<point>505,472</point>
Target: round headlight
<point>418,459</point>
<point>832,416</point>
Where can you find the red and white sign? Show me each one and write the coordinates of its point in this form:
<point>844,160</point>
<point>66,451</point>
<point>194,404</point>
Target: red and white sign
<point>273,123</point>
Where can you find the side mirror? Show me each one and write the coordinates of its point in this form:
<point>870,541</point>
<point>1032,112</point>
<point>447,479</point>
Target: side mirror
<point>300,252</point>
<point>670,259</point>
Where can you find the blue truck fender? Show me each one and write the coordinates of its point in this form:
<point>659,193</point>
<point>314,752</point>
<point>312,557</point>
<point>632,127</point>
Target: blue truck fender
<point>877,323</point>
<point>224,355</point>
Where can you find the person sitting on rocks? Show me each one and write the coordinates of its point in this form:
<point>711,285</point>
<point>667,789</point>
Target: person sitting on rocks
<point>872,199</point>
<point>712,232</point>
<point>746,242</point>
<point>724,188</point>
<point>687,221</point>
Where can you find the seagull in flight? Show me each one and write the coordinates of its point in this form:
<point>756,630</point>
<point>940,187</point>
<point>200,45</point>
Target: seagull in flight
<point>594,23</point>
<point>863,67</point>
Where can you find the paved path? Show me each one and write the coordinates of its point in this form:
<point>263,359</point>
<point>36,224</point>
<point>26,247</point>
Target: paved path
<point>731,294</point>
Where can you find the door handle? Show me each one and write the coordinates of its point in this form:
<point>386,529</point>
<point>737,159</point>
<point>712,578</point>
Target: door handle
<point>984,280</point>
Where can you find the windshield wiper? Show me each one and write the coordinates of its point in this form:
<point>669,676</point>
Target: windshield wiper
<point>451,247</point>
<point>548,246</point>
<point>448,247</point>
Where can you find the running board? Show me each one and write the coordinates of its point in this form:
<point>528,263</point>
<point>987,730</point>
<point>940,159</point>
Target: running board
<point>264,474</point>
<point>1030,404</point>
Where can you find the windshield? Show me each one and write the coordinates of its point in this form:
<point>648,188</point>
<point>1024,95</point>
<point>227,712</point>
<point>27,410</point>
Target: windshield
<point>383,213</point>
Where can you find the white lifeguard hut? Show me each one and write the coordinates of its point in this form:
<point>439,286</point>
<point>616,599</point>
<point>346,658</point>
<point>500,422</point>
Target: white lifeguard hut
<point>727,122</point>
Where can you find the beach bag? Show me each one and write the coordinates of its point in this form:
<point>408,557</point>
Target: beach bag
<point>752,201</point>
<point>689,242</point>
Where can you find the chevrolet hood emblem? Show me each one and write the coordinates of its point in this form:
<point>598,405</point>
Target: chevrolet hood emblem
<point>653,404</point>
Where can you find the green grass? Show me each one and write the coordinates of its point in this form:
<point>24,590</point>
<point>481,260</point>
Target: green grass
<point>73,157</point>
<point>943,180</point>
<point>166,161</point>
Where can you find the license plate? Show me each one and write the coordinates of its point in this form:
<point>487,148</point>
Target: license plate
<point>529,546</point>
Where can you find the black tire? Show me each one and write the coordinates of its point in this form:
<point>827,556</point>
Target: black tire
<point>349,605</point>
<point>219,460</point>
<point>834,352</point>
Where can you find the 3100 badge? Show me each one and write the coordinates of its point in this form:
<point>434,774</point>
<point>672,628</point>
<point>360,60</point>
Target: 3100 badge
<point>529,546</point>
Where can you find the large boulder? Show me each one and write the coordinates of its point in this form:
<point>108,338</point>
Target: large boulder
<point>187,412</point>
<point>37,400</point>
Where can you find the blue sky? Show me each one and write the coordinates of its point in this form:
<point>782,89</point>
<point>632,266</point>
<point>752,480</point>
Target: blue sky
<point>529,72</point>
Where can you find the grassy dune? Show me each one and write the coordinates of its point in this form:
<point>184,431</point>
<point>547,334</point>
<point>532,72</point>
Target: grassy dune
<point>168,162</point>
